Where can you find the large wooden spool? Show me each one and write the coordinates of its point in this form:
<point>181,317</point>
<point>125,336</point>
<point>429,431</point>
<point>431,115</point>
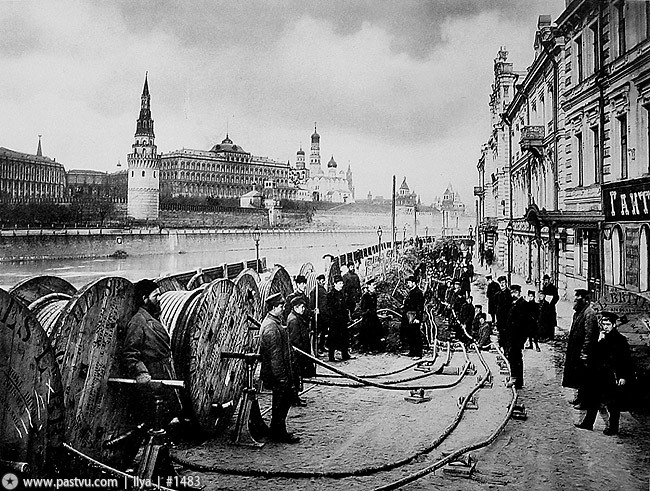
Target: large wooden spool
<point>220,326</point>
<point>248,281</point>
<point>48,309</point>
<point>178,310</point>
<point>31,394</point>
<point>86,339</point>
<point>306,268</point>
<point>31,289</point>
<point>169,284</point>
<point>278,282</point>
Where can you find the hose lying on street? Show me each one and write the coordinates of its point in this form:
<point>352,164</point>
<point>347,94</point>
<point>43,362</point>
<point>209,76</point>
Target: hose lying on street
<point>362,471</point>
<point>457,453</point>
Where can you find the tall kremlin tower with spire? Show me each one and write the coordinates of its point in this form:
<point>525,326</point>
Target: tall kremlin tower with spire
<point>144,166</point>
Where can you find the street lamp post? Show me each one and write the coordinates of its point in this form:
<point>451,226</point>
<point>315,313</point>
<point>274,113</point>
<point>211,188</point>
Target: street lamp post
<point>404,239</point>
<point>426,234</point>
<point>509,230</point>
<point>470,231</point>
<point>379,232</point>
<point>257,234</point>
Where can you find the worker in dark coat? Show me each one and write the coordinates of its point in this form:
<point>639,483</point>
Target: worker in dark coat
<point>146,355</point>
<point>370,333</point>
<point>548,312</point>
<point>351,288</point>
<point>504,303</point>
<point>612,373</point>
<point>483,338</point>
<point>466,281</point>
<point>277,368</point>
<point>412,317</point>
<point>298,328</point>
<point>318,305</point>
<point>533,321</point>
<point>339,318</point>
<point>493,289</point>
<point>516,333</point>
<point>466,318</point>
<point>581,347</point>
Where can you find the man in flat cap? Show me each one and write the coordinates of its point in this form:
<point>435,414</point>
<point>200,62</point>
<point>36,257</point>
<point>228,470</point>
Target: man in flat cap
<point>581,346</point>
<point>504,303</point>
<point>548,313</point>
<point>412,315</point>
<point>318,305</point>
<point>612,374</point>
<point>492,291</point>
<point>147,354</point>
<point>298,327</point>
<point>515,335</point>
<point>370,332</point>
<point>339,319</point>
<point>277,368</point>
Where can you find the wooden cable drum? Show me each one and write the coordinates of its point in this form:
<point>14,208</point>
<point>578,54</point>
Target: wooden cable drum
<point>32,289</point>
<point>178,310</point>
<point>31,393</point>
<point>278,282</point>
<point>48,308</point>
<point>306,268</point>
<point>86,339</point>
<point>220,326</point>
<point>169,284</point>
<point>199,278</point>
<point>248,281</point>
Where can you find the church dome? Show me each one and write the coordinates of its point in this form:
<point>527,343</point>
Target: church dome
<point>315,137</point>
<point>228,146</point>
<point>332,163</point>
<point>300,152</point>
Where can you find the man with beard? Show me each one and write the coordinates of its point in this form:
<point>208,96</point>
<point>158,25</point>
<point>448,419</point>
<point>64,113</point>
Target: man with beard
<point>147,354</point>
<point>370,331</point>
<point>277,368</point>
<point>351,288</point>
<point>612,372</point>
<point>493,290</point>
<point>548,313</point>
<point>516,334</point>
<point>318,305</point>
<point>581,346</point>
<point>412,315</point>
<point>298,328</point>
<point>504,303</point>
<point>339,319</point>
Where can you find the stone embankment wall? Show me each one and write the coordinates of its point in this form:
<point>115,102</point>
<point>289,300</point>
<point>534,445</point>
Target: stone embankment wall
<point>240,218</point>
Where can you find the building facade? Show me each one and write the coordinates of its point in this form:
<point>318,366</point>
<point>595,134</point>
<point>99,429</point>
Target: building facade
<point>578,133</point>
<point>224,171</point>
<point>144,166</point>
<point>28,178</point>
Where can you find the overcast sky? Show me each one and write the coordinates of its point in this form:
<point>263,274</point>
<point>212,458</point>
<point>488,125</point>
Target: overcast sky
<point>396,87</point>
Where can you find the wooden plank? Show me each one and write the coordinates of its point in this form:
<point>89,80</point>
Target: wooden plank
<point>31,393</point>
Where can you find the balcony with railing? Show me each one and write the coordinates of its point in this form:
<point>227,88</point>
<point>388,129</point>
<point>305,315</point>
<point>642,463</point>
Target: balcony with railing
<point>532,139</point>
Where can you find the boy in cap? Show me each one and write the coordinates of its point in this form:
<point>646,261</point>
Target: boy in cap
<point>300,291</point>
<point>533,317</point>
<point>298,327</point>
<point>612,372</point>
<point>277,368</point>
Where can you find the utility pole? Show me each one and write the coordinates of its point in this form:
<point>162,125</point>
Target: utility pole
<point>392,218</point>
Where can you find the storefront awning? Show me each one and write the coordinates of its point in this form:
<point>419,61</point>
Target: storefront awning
<point>544,218</point>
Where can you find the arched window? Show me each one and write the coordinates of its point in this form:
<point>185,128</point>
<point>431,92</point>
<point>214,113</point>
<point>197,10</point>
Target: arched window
<point>617,256</point>
<point>143,173</point>
<point>644,267</point>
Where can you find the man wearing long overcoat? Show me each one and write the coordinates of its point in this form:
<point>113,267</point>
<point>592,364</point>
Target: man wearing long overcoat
<point>412,316</point>
<point>504,303</point>
<point>370,332</point>
<point>515,334</point>
<point>548,313</point>
<point>581,346</point>
<point>277,370</point>
<point>493,289</point>
<point>339,318</point>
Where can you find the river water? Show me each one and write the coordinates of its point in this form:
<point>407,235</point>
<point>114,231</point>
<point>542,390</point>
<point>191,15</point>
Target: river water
<point>290,250</point>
